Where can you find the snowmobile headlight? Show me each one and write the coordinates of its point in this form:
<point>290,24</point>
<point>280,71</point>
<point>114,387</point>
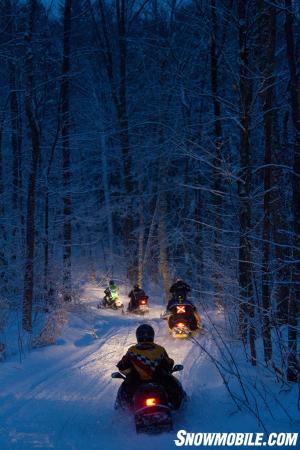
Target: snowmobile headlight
<point>150,401</point>
<point>180,325</point>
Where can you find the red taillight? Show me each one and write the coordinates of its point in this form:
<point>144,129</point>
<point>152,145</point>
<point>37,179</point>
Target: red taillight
<point>150,401</point>
<point>143,302</point>
<point>180,309</point>
<point>180,325</point>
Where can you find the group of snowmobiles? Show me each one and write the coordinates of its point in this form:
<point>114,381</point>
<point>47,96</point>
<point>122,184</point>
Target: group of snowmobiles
<point>181,315</point>
<point>138,303</point>
<point>149,390</point>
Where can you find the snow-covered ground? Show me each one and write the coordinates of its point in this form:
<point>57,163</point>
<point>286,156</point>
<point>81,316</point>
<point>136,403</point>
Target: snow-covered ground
<point>62,396</point>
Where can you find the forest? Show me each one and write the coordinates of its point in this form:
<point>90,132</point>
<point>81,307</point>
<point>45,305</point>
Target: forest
<point>143,140</point>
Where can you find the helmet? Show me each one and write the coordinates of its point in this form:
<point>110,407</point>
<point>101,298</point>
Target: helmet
<point>136,286</point>
<point>178,280</point>
<point>111,282</point>
<point>144,333</point>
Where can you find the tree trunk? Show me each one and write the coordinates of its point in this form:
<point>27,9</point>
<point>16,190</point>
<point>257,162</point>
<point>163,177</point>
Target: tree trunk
<point>162,237</point>
<point>2,209</point>
<point>35,153</point>
<point>198,230</point>
<point>268,38</point>
<point>47,288</point>
<point>2,121</point>
<point>65,133</point>
<point>130,242</point>
<point>281,223</point>
<point>293,309</point>
<point>247,309</point>
<point>217,200</point>
<point>141,238</point>
<point>107,201</point>
<point>15,114</point>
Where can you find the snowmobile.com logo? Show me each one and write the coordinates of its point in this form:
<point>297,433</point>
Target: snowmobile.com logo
<point>235,439</point>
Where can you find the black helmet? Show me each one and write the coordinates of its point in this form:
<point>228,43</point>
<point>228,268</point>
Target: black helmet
<point>111,282</point>
<point>144,333</point>
<point>136,286</point>
<point>178,280</point>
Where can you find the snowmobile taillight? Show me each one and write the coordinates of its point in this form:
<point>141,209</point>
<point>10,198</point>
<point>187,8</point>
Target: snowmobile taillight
<point>180,309</point>
<point>143,302</point>
<point>180,325</point>
<point>150,401</point>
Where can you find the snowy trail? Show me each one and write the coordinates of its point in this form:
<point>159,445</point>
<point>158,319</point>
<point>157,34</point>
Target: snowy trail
<point>62,397</point>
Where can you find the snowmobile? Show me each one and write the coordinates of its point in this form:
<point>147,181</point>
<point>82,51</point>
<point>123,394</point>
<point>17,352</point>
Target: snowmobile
<point>150,406</point>
<point>142,306</point>
<point>182,321</point>
<point>110,302</point>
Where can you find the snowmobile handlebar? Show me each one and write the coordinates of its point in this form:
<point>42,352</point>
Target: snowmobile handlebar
<point>118,375</point>
<point>176,368</point>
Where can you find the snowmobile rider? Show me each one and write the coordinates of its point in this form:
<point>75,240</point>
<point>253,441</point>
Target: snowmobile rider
<point>148,362</point>
<point>111,293</point>
<point>135,295</point>
<point>179,290</point>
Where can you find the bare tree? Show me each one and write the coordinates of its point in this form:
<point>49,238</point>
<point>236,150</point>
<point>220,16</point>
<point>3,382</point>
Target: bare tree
<point>247,310</point>
<point>293,307</point>
<point>65,134</point>
<point>218,142</point>
<point>15,112</point>
<point>31,190</point>
<point>116,70</point>
<point>267,42</point>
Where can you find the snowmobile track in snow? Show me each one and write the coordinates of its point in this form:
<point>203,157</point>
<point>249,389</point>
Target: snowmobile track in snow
<point>62,397</point>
